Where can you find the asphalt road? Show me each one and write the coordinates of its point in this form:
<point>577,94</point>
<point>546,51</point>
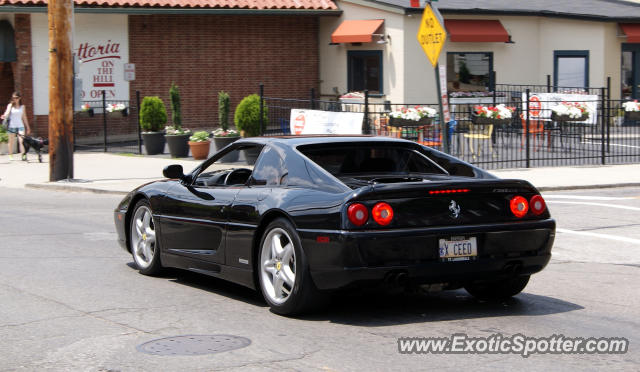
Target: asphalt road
<point>70,300</point>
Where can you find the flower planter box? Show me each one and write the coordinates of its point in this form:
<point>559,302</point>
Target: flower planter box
<point>475,119</point>
<point>563,118</point>
<point>118,113</point>
<point>88,112</point>
<point>632,115</point>
<point>400,122</point>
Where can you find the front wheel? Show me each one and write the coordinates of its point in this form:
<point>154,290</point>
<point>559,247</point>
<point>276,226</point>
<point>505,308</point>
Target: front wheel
<point>143,240</point>
<point>283,271</point>
<point>498,290</point>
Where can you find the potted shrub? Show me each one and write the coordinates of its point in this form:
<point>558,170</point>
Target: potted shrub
<point>4,139</point>
<point>200,145</point>
<point>247,120</point>
<point>153,116</point>
<point>176,136</point>
<point>224,136</point>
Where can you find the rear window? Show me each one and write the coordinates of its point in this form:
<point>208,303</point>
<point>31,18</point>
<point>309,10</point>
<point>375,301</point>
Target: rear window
<point>369,158</point>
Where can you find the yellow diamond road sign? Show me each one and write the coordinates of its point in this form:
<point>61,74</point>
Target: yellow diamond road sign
<point>431,35</point>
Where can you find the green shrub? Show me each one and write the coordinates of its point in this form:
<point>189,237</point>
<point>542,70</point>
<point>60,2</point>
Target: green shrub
<point>153,114</point>
<point>200,136</point>
<point>223,109</point>
<point>4,137</point>
<point>247,116</point>
<point>176,115</point>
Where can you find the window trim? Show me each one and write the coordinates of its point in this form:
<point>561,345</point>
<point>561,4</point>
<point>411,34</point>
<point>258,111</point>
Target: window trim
<point>570,54</point>
<point>492,82</point>
<point>376,53</point>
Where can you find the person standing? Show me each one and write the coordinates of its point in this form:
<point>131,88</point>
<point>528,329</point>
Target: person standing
<point>18,122</point>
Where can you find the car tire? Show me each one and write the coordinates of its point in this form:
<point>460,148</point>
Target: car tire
<point>283,271</point>
<point>498,290</point>
<point>143,240</point>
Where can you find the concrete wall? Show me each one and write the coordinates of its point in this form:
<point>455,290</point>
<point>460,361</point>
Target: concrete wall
<point>333,58</point>
<point>410,78</point>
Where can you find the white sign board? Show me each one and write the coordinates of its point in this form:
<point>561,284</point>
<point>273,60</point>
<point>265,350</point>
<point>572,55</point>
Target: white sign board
<point>129,72</point>
<point>540,104</point>
<point>325,122</point>
<point>443,93</point>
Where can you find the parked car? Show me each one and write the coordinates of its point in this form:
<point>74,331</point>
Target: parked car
<point>297,217</point>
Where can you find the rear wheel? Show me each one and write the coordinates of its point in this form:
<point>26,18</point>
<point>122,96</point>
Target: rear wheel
<point>283,271</point>
<point>498,290</point>
<point>143,240</point>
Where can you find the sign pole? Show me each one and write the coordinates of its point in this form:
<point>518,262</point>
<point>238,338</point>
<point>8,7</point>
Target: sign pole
<point>431,36</point>
<point>443,123</point>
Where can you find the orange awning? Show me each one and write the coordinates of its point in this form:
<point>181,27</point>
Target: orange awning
<point>476,31</point>
<point>356,31</point>
<point>632,30</point>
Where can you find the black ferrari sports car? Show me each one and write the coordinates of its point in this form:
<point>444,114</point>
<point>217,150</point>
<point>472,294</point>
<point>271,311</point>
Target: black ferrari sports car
<point>297,217</point>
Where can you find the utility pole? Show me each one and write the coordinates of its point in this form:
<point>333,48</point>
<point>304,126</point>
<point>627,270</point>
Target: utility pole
<point>60,89</point>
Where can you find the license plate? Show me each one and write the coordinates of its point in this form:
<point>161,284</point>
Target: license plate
<point>458,248</point>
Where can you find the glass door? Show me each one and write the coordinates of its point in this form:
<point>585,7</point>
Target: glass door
<point>630,72</point>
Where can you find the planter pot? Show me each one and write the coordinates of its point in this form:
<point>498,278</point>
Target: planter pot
<point>399,122</point>
<point>475,119</point>
<point>178,145</point>
<point>222,142</point>
<point>632,115</point>
<point>153,142</point>
<point>200,150</point>
<point>4,148</point>
<point>251,155</point>
<point>562,118</point>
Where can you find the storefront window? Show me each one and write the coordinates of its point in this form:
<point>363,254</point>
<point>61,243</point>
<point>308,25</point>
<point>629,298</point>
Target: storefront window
<point>469,72</point>
<point>571,68</point>
<point>365,71</point>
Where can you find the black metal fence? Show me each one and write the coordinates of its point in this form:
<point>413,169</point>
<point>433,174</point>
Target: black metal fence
<point>108,125</point>
<point>534,136</point>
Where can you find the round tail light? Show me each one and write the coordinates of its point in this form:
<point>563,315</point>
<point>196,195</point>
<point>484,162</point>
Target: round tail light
<point>357,214</point>
<point>537,205</point>
<point>519,206</point>
<point>382,213</point>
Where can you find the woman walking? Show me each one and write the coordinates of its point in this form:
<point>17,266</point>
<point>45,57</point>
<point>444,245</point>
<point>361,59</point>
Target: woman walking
<point>17,115</point>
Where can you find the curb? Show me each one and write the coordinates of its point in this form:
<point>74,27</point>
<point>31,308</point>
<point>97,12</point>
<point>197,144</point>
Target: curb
<point>39,186</point>
<point>582,187</point>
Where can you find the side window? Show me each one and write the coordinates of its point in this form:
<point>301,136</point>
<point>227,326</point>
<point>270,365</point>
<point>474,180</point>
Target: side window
<point>571,68</point>
<point>270,169</point>
<point>231,170</point>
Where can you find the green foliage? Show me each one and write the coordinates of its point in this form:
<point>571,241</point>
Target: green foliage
<point>176,115</point>
<point>200,136</point>
<point>464,73</point>
<point>223,109</point>
<point>4,137</point>
<point>153,114</point>
<point>247,116</point>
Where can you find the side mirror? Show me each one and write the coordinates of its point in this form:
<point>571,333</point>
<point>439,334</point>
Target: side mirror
<point>173,171</point>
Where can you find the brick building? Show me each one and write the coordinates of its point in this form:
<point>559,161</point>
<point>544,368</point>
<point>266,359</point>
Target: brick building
<point>203,47</point>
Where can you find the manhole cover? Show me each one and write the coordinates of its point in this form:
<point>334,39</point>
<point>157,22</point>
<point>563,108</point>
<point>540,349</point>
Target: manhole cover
<point>193,345</point>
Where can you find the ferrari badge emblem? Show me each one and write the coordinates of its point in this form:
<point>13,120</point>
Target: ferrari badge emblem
<point>455,209</point>
<point>144,236</point>
<point>278,265</point>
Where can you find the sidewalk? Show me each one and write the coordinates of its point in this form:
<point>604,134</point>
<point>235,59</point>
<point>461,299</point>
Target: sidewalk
<point>119,174</point>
